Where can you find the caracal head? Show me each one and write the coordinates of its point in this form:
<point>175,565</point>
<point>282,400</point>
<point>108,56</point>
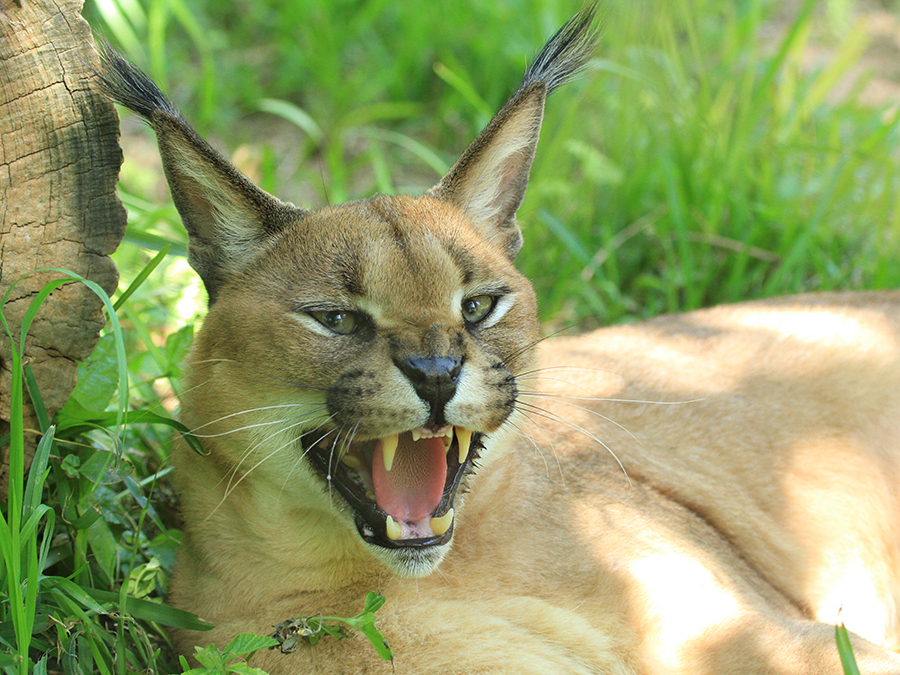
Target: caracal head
<point>361,361</point>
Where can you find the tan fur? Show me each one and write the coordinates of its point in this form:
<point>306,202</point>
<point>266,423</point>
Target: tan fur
<point>760,446</point>
<point>703,493</point>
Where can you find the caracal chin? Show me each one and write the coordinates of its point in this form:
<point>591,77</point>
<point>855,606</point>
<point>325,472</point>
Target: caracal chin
<point>701,494</point>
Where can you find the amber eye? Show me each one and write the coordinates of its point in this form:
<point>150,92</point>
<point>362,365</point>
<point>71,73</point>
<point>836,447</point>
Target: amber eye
<point>340,321</point>
<point>476,308</point>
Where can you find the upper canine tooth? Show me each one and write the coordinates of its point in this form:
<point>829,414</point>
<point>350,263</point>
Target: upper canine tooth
<point>440,525</point>
<point>464,437</point>
<point>388,450</point>
<point>392,528</point>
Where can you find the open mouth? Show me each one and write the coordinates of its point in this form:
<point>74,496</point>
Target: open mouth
<point>401,487</point>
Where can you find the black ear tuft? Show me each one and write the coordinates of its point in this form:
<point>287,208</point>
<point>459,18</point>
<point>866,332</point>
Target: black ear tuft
<point>227,217</point>
<point>489,179</point>
<point>566,54</point>
<point>129,86</point>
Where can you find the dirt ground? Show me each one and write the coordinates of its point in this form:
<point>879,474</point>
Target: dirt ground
<point>878,71</point>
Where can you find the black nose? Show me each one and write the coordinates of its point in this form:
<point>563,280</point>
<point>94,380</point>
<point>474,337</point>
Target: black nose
<point>434,380</point>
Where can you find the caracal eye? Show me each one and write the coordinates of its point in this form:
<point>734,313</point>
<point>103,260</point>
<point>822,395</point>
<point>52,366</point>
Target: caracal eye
<point>477,308</point>
<point>340,321</point>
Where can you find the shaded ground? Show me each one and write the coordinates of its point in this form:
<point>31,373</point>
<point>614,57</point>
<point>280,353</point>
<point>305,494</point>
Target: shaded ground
<point>878,70</point>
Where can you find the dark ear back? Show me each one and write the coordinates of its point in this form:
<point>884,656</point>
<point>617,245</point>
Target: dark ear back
<point>227,217</point>
<point>489,179</point>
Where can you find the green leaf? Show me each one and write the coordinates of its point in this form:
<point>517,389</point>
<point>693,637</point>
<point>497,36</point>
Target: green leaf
<point>72,414</point>
<point>37,474</point>
<point>83,596</point>
<point>246,643</point>
<point>374,601</point>
<point>322,629</point>
<point>142,580</point>
<point>377,639</point>
<point>103,546</point>
<point>242,668</point>
<point>36,399</point>
<point>98,377</point>
<point>215,661</point>
<point>153,611</point>
<point>364,623</point>
<point>177,346</point>
<point>211,658</point>
<point>76,420</point>
<point>71,464</point>
<point>95,467</point>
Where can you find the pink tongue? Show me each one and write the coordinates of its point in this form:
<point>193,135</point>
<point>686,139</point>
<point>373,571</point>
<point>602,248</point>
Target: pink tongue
<point>412,489</point>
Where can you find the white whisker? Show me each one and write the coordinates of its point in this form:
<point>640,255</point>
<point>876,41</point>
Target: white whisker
<point>575,427</point>
<point>603,417</point>
<point>232,484</point>
<point>602,399</point>
<point>248,411</point>
<point>530,438</point>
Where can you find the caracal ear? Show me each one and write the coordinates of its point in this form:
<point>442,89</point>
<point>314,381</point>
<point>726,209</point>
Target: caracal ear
<point>227,217</point>
<point>489,179</point>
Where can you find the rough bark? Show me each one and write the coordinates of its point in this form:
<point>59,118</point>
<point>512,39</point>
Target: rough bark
<point>59,160</point>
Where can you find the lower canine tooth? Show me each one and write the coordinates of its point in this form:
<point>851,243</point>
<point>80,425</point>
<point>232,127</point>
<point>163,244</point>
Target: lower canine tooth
<point>440,525</point>
<point>464,438</point>
<point>388,450</point>
<point>393,529</point>
<point>352,461</point>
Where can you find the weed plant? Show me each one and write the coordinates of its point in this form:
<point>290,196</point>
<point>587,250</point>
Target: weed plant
<point>700,161</point>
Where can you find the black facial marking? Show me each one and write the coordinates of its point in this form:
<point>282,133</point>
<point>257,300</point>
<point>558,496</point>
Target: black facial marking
<point>350,274</point>
<point>465,261</point>
<point>396,232</point>
<point>347,397</point>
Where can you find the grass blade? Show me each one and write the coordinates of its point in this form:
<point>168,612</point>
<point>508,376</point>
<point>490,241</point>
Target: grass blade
<point>142,276</point>
<point>845,649</point>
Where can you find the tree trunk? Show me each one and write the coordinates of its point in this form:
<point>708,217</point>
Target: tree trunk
<point>59,161</point>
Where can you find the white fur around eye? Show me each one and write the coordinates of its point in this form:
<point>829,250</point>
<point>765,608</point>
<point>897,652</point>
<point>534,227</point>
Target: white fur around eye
<point>504,302</point>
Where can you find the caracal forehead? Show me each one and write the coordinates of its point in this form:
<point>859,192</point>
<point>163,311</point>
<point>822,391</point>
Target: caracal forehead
<point>401,252</point>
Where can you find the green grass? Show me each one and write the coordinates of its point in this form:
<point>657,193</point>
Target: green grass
<point>699,161</point>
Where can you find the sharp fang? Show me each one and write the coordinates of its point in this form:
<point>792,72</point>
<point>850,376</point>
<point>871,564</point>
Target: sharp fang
<point>464,438</point>
<point>388,450</point>
<point>448,439</point>
<point>416,434</point>
<point>352,461</point>
<point>393,529</point>
<point>440,525</point>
